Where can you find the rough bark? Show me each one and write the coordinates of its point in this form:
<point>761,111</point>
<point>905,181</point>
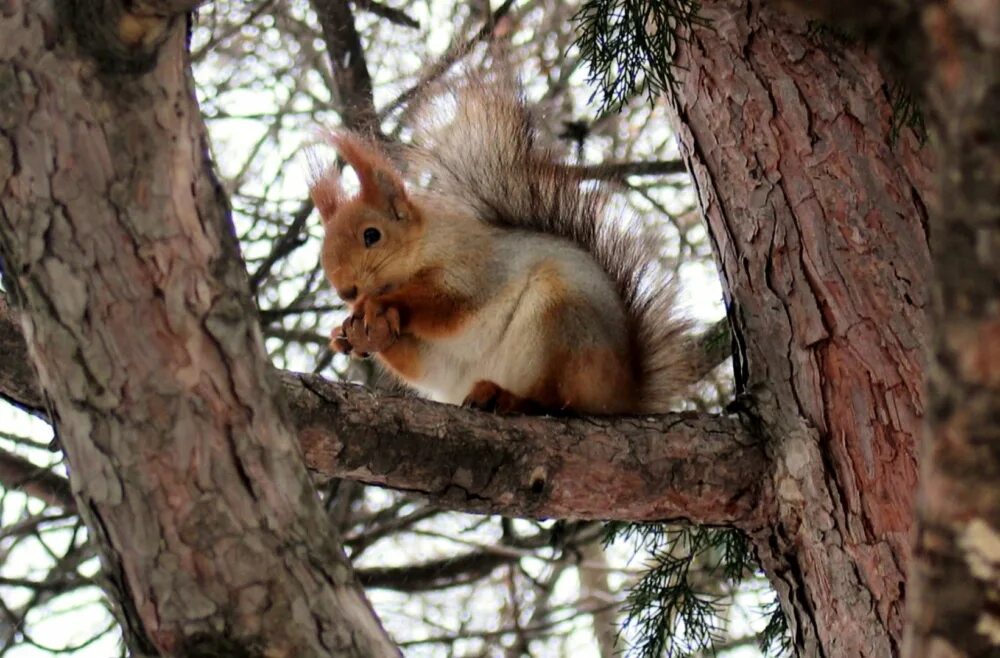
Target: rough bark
<point>949,53</point>
<point>818,229</point>
<point>677,466</point>
<point>139,321</point>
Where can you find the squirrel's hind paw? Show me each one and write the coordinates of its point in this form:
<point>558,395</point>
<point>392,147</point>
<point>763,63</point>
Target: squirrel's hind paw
<point>489,396</point>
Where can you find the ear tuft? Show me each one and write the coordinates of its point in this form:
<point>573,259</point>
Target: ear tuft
<point>326,194</point>
<point>324,187</point>
<point>381,184</point>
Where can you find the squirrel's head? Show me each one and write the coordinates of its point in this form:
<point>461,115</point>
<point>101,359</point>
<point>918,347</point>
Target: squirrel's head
<point>371,240</point>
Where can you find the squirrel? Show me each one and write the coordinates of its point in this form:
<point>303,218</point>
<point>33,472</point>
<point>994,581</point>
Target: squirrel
<point>502,284</point>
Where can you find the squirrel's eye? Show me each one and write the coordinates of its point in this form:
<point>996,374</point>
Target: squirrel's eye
<point>371,236</point>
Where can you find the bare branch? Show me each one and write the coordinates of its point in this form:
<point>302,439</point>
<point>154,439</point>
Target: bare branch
<point>289,241</point>
<point>19,473</point>
<point>350,72</point>
<point>358,543</point>
<point>447,60</point>
<point>436,574</point>
<point>390,14</point>
<point>621,170</point>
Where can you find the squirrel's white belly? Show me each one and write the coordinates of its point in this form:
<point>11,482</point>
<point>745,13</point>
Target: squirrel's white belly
<point>492,348</point>
<point>504,342</point>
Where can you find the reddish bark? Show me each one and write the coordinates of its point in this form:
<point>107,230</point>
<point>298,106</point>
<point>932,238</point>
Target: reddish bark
<point>948,52</point>
<point>818,225</point>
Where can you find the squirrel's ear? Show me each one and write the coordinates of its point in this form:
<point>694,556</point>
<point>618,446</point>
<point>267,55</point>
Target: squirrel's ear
<point>381,184</point>
<point>326,193</point>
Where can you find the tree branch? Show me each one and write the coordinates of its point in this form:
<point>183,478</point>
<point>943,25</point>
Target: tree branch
<point>435,574</point>
<point>20,474</point>
<point>18,382</point>
<point>390,14</point>
<point>688,466</point>
<point>288,242</point>
<point>620,170</point>
<point>697,467</point>
<point>452,55</point>
<point>353,94</point>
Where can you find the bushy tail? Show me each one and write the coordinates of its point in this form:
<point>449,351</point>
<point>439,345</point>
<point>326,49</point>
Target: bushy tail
<point>477,142</point>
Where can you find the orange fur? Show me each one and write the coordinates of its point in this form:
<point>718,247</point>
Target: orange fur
<point>488,396</point>
<point>426,309</point>
<point>403,357</point>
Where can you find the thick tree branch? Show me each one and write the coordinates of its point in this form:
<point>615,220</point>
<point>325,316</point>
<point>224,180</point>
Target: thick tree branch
<point>678,466</point>
<point>699,467</point>
<point>18,383</point>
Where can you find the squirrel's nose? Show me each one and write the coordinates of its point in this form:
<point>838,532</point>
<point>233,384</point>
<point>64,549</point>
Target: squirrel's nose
<point>349,294</point>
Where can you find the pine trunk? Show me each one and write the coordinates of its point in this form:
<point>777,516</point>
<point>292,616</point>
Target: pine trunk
<point>118,243</point>
<point>819,227</point>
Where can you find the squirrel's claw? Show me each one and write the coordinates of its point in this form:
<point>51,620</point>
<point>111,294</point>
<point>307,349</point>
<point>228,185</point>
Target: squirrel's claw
<point>372,328</point>
<point>339,342</point>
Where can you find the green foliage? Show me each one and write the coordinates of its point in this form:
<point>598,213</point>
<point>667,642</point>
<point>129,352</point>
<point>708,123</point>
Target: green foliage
<point>906,113</point>
<point>675,608</point>
<point>824,32</point>
<point>629,45</point>
<point>774,640</point>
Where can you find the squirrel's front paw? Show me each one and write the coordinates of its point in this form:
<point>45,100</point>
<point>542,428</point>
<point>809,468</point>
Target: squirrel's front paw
<point>339,344</point>
<point>372,328</point>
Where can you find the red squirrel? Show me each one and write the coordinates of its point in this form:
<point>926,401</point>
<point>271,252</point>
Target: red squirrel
<point>502,283</point>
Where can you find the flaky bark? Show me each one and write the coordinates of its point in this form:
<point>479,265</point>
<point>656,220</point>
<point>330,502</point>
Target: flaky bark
<point>138,318</point>
<point>676,466</point>
<point>949,53</point>
<point>818,230</point>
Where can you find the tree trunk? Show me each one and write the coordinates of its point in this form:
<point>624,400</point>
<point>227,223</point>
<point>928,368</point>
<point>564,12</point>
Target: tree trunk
<point>818,224</point>
<point>117,240</point>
